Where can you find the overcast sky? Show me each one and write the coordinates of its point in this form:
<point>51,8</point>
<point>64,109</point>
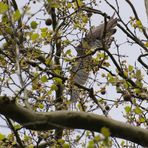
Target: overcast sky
<point>125,13</point>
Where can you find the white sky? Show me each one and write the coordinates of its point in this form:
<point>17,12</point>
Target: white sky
<point>132,51</point>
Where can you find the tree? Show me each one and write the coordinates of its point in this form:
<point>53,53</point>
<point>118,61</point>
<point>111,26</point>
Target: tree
<point>37,55</point>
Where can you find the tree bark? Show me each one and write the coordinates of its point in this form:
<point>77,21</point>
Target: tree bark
<point>70,120</point>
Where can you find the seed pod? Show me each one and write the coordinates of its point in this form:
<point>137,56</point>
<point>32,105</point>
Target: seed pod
<point>103,91</point>
<point>107,107</point>
<point>127,97</point>
<point>48,22</point>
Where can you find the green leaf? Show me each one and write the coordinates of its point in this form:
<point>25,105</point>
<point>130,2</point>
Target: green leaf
<point>49,92</point>
<point>3,7</point>
<point>139,83</point>
<point>127,109</point>
<point>101,55</point>
<point>123,143</point>
<point>5,19</point>
<point>79,2</point>
<point>34,36</point>
<point>66,145</point>
<point>84,19</point>
<point>126,73</point>
<point>91,144</point>
<point>44,29</point>
<point>69,5</point>
<point>44,79</point>
<point>17,126</point>
<point>55,5</point>
<point>105,131</point>
<point>97,138</point>
<point>2,136</point>
<point>41,105</point>
<point>44,34</point>
<point>87,133</point>
<point>137,110</point>
<point>30,146</point>
<point>139,24</point>
<point>138,74</point>
<point>106,64</point>
<point>146,44</point>
<point>119,90</point>
<point>61,141</point>
<point>16,15</point>
<point>57,71</point>
<point>68,52</point>
<point>137,90</point>
<point>34,24</point>
<point>141,119</point>
<point>130,68</point>
<point>48,61</point>
<point>85,45</point>
<point>26,138</point>
<point>57,80</point>
<point>111,80</point>
<point>14,143</point>
<point>53,87</point>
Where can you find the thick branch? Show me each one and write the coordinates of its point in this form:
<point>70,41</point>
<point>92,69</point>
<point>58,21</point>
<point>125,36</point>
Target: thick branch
<point>71,120</point>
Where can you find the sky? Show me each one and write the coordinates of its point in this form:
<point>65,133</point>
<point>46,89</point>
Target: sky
<point>125,13</point>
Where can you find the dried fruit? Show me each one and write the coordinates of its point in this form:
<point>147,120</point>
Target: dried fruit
<point>48,22</point>
<point>127,97</point>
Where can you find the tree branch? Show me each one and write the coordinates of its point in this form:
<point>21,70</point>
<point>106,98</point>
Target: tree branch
<point>141,61</point>
<point>70,120</point>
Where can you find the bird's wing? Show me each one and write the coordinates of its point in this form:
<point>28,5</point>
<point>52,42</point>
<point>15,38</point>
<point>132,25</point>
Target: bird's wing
<point>97,32</point>
<point>80,71</point>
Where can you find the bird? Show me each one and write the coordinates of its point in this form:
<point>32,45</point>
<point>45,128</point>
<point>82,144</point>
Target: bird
<point>92,40</point>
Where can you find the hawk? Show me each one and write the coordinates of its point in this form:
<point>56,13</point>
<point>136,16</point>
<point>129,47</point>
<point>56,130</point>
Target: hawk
<point>92,40</point>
